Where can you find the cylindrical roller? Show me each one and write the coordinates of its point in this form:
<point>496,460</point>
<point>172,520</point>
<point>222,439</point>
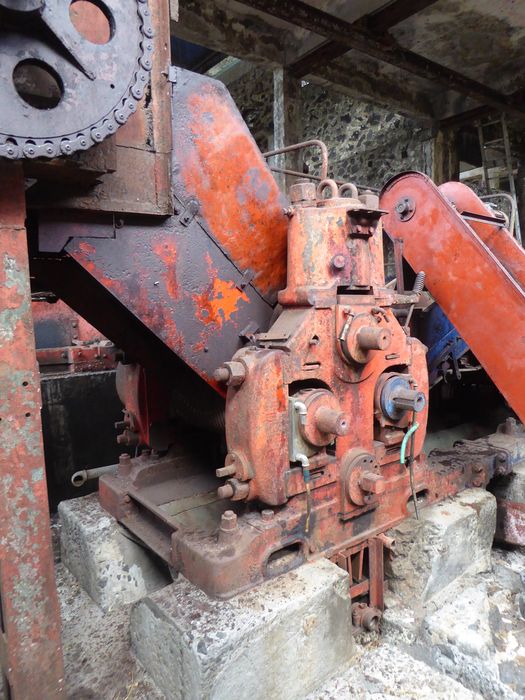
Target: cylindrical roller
<point>373,338</point>
<point>409,400</point>
<point>331,422</point>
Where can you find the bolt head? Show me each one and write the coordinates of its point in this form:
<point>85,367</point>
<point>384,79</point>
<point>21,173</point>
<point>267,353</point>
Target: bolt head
<point>267,515</point>
<point>228,521</point>
<point>338,262</point>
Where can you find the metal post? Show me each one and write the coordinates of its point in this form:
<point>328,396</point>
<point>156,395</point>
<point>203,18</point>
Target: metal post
<point>286,120</point>
<point>30,650</point>
<point>510,170</point>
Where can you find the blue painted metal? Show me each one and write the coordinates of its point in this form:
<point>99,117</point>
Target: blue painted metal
<point>442,339</point>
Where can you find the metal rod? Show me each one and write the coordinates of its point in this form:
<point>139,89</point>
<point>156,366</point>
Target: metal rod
<point>307,176</point>
<point>299,147</point>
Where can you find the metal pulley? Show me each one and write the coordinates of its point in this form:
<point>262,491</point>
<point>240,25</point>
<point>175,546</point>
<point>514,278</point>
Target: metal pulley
<point>71,72</point>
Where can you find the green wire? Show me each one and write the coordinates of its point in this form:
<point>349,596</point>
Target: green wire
<point>404,444</point>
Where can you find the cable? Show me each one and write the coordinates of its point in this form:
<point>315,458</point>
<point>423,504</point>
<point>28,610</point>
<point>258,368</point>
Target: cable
<point>410,435</point>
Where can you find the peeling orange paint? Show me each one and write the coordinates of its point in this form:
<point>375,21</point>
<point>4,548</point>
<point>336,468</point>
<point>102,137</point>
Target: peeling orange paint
<point>238,195</point>
<point>219,301</point>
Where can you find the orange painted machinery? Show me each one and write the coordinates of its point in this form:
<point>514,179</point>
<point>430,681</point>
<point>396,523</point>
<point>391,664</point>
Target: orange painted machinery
<point>275,406</point>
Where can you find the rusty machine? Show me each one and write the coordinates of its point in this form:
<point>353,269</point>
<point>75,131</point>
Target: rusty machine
<point>275,399</point>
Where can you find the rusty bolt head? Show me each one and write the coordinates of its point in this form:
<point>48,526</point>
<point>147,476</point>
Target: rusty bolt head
<point>338,262</point>
<point>228,521</point>
<point>372,483</point>
<point>267,515</point>
<point>302,191</point>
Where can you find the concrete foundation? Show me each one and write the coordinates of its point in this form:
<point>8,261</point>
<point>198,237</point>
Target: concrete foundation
<point>455,605</point>
<point>282,639</point>
<point>449,540</point>
<point>109,566</point>
<point>510,495</point>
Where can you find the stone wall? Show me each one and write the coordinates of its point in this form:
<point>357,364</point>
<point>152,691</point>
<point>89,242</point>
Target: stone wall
<point>367,144</point>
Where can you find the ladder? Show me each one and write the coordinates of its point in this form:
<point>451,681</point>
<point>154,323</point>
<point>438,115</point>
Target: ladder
<point>498,163</point>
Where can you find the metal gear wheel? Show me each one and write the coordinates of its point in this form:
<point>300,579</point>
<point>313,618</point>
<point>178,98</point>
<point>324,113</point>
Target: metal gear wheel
<point>71,72</point>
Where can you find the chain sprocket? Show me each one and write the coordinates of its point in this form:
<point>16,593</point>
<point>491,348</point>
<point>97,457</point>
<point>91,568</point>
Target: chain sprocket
<point>100,84</point>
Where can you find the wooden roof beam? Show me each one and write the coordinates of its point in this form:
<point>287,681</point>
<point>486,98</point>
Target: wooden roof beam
<point>338,30</point>
<point>377,22</point>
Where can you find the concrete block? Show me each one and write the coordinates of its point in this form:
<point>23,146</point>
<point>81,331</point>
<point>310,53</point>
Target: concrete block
<point>108,565</point>
<point>462,623</point>
<point>282,639</point>
<point>510,495</point>
<point>450,539</point>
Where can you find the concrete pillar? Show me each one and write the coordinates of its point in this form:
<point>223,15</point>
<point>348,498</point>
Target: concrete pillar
<point>445,156</point>
<point>287,124</point>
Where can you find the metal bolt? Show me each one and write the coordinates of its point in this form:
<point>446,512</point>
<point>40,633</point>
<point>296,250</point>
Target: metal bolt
<point>228,521</point>
<point>338,262</point>
<point>267,515</point>
<point>225,491</point>
<point>227,470</point>
<point>221,374</point>
<point>372,483</point>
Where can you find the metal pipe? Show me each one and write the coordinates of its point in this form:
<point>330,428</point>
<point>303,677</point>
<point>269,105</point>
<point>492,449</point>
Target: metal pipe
<point>305,144</point>
<point>317,178</point>
<point>79,478</point>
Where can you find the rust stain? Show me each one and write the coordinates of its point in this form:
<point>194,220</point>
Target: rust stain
<point>84,257</point>
<point>167,252</point>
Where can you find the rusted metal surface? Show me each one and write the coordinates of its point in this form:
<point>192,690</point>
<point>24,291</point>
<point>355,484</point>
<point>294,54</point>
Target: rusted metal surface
<point>472,286</point>
<point>137,177</point>
<point>30,633</point>
<point>204,278</point>
<point>496,237</point>
<point>317,409</point>
<point>68,343</point>
<point>220,168</point>
<point>57,325</point>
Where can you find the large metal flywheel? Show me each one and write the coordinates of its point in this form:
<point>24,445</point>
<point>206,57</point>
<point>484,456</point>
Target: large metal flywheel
<point>71,72</point>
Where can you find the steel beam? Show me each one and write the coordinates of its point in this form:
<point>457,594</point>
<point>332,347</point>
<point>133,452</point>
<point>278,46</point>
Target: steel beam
<point>30,650</point>
<point>378,22</point>
<point>387,50</point>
